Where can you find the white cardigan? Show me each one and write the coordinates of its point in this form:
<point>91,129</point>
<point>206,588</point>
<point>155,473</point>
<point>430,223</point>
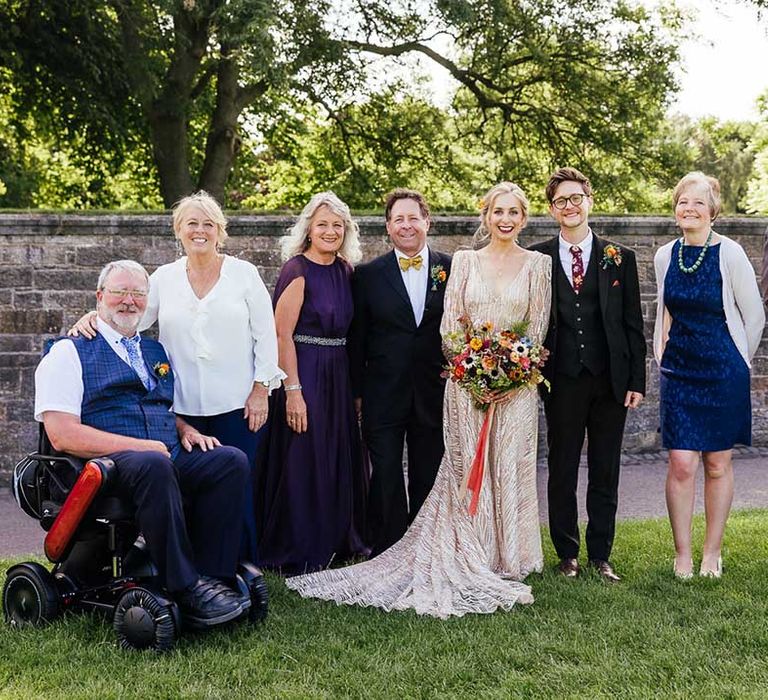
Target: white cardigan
<point>743,306</point>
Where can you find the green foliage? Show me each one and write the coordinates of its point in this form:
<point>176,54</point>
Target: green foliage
<point>756,198</point>
<point>650,636</point>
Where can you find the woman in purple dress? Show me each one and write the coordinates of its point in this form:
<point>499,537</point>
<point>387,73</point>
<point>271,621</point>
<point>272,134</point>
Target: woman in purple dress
<point>314,480</point>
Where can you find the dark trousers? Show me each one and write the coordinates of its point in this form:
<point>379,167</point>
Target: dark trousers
<point>577,406</point>
<point>232,429</point>
<point>200,536</point>
<point>389,512</point>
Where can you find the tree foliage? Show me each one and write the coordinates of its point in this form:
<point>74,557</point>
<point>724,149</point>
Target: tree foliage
<point>190,82</point>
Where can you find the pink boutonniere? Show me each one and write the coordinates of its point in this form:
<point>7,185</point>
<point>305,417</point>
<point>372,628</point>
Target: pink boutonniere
<point>438,275</point>
<point>611,257</point>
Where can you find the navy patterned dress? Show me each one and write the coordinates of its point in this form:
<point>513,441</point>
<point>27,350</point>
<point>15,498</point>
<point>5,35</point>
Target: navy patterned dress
<point>705,402</point>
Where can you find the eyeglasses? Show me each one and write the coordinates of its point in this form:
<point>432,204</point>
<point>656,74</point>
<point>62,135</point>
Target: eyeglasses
<point>574,199</point>
<point>122,293</point>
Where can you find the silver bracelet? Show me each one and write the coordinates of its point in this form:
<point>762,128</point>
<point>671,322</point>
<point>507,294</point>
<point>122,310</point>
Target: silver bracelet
<point>292,387</point>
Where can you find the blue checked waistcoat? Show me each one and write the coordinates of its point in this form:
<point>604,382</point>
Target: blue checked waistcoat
<point>115,400</point>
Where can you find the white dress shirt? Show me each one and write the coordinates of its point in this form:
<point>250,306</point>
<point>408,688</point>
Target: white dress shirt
<point>566,256</point>
<point>415,282</point>
<point>219,345</point>
<point>59,376</point>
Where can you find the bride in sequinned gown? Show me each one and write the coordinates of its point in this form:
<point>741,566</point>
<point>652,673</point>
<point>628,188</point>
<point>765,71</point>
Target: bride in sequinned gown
<point>449,562</point>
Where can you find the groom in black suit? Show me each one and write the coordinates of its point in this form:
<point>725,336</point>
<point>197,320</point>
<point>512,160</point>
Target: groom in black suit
<point>597,371</point>
<point>396,360</point>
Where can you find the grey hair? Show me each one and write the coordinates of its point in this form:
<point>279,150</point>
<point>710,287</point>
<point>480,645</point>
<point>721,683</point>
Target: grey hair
<point>297,240</point>
<point>482,235</point>
<point>125,265</point>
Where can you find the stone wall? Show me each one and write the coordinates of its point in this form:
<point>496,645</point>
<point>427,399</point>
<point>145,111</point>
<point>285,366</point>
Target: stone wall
<point>49,265</point>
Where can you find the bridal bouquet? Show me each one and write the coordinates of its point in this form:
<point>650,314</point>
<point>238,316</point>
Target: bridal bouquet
<point>485,362</point>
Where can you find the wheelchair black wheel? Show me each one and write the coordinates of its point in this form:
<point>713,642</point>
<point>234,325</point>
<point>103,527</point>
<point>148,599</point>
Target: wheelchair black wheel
<point>145,620</point>
<point>257,587</point>
<point>30,596</point>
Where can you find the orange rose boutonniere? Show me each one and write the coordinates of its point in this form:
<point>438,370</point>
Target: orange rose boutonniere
<point>162,369</point>
<point>438,275</point>
<point>611,256</point>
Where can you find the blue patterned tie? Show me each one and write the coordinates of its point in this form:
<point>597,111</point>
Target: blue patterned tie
<point>131,345</point>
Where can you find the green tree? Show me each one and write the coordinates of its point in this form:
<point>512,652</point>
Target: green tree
<point>184,79</point>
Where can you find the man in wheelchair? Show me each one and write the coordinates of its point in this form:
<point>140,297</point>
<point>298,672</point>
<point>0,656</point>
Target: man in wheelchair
<point>112,396</point>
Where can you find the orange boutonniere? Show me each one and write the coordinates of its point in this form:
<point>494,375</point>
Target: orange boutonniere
<point>162,369</point>
<point>611,256</point>
<point>438,275</point>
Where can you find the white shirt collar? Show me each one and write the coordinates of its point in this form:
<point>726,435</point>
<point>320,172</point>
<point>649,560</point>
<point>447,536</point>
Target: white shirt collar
<point>423,252</point>
<point>110,334</point>
<point>585,244</point>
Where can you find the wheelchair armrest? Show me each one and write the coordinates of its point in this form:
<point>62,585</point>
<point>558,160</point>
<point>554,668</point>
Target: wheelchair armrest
<point>93,477</point>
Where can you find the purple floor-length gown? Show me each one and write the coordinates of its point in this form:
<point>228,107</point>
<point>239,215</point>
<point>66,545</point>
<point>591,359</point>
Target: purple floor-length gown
<point>314,483</point>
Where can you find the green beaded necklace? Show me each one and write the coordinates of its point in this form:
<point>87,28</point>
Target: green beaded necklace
<point>699,260</point>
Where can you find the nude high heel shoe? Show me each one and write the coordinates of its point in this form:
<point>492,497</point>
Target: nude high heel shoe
<point>713,573</point>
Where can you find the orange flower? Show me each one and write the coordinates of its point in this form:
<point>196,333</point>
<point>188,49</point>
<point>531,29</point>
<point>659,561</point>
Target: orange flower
<point>162,369</point>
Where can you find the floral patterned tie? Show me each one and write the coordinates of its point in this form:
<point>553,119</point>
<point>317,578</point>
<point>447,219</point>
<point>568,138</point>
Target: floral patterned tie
<point>577,269</point>
<point>136,362</point>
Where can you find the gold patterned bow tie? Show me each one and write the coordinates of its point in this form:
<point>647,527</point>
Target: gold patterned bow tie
<point>414,262</point>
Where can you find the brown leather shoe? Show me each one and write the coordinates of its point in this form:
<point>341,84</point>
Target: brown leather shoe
<point>569,568</point>
<point>605,570</point>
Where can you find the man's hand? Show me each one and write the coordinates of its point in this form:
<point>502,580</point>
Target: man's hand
<point>633,399</point>
<point>257,407</point>
<point>190,437</point>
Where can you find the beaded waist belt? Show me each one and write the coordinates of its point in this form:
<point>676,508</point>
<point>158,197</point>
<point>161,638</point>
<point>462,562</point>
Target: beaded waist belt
<point>315,340</point>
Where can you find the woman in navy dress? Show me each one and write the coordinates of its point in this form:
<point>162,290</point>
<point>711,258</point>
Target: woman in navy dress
<point>314,480</point>
<point>709,323</point>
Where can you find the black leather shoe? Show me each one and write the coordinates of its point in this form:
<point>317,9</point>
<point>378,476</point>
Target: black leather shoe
<point>245,600</point>
<point>208,603</point>
<point>605,570</point>
<point>569,568</point>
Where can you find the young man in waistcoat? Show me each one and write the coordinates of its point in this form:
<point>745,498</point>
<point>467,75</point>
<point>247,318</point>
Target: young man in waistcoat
<point>596,368</point>
<point>112,396</point>
<point>396,360</point>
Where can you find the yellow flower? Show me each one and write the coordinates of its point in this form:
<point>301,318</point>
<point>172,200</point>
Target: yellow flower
<point>476,343</point>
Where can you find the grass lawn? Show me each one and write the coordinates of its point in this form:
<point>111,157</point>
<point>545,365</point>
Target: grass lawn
<point>650,636</point>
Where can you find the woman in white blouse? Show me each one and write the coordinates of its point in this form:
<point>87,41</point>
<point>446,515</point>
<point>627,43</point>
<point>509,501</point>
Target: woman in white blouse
<point>215,321</point>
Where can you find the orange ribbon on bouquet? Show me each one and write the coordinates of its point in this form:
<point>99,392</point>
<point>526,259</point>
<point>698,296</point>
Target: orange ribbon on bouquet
<point>474,480</point>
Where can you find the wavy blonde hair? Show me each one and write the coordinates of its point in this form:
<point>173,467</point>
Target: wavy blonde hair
<point>211,209</point>
<point>482,235</point>
<point>297,240</point>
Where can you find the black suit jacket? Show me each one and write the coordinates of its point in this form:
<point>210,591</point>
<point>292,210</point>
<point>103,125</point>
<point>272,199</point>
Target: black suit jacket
<point>619,290</point>
<point>395,364</point>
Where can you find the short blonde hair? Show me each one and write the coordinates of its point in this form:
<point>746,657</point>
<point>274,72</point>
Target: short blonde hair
<point>210,208</point>
<point>482,234</point>
<point>297,240</point>
<point>711,184</point>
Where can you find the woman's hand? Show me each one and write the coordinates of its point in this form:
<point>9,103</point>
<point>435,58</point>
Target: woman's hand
<point>498,397</point>
<point>296,411</point>
<point>86,325</point>
<point>257,407</point>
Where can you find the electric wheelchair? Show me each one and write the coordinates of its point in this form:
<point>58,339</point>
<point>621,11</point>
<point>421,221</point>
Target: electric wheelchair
<point>100,560</point>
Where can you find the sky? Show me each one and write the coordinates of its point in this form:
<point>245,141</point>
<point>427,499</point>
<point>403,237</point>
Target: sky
<point>724,61</point>
<point>726,67</point>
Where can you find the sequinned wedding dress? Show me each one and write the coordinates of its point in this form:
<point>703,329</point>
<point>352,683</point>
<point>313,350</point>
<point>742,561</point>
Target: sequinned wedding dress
<point>448,562</point>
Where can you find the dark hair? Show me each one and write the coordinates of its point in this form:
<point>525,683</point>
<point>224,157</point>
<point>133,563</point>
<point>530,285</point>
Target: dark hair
<point>403,193</point>
<point>565,175</point>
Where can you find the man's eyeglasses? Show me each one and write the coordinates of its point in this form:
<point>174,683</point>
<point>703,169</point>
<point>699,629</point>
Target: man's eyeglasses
<point>122,293</point>
<point>574,199</point>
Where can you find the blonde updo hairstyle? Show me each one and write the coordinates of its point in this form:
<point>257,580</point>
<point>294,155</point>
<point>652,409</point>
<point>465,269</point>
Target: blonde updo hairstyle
<point>711,184</point>
<point>209,206</point>
<point>297,241</point>
<point>482,236</point>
